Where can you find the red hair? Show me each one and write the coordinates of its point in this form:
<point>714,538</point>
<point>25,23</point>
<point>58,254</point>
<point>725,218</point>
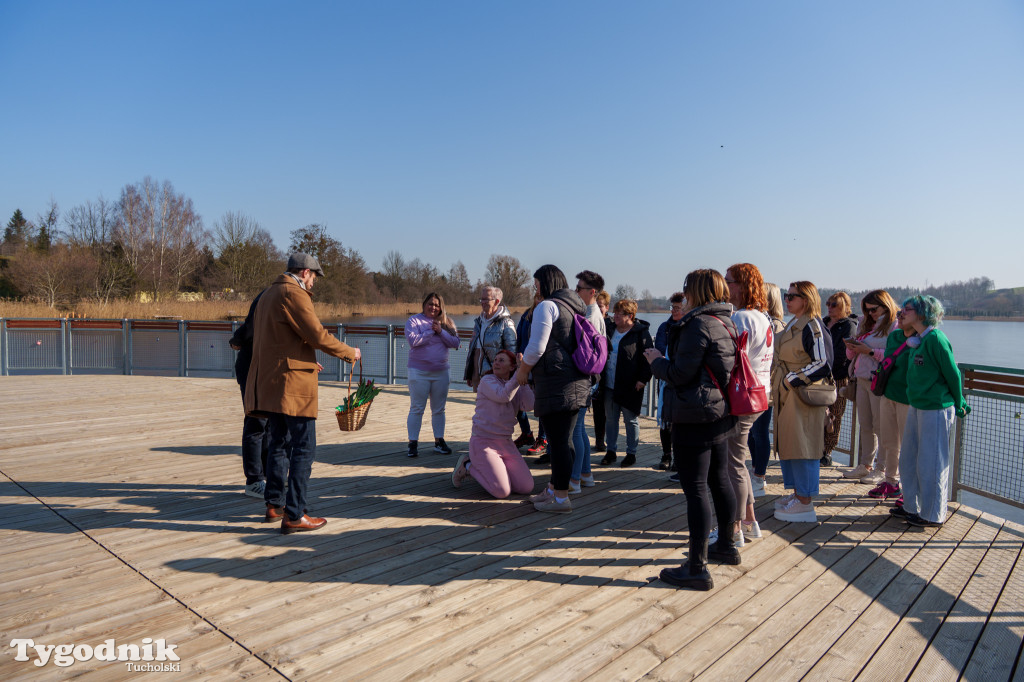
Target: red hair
<point>748,278</point>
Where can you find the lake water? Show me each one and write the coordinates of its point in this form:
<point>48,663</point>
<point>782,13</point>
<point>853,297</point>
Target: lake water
<point>997,344</point>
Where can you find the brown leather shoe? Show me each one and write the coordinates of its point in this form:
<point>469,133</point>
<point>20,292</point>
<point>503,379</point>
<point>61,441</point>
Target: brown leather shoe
<point>307,522</point>
<point>273,514</point>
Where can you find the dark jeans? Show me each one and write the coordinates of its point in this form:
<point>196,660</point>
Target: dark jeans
<point>559,427</point>
<point>255,446</point>
<point>702,455</point>
<point>600,420</point>
<point>759,442</point>
<point>524,422</point>
<point>292,449</point>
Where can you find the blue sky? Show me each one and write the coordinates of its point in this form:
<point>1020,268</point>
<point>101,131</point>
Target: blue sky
<point>855,144</point>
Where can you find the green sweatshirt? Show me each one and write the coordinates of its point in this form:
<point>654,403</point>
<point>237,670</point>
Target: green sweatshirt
<point>896,388</point>
<point>933,379</point>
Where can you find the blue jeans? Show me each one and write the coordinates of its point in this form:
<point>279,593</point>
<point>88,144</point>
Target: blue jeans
<point>611,433</point>
<point>292,449</point>
<point>801,475</point>
<point>255,446</point>
<point>759,442</point>
<point>924,462</point>
<point>581,446</point>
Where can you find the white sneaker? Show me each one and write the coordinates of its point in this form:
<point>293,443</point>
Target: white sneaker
<point>737,538</point>
<point>783,501</point>
<point>751,531</point>
<point>757,484</point>
<point>859,471</point>
<point>256,489</point>
<point>574,488</point>
<point>460,473</point>
<point>797,512</point>
<point>873,478</point>
<point>587,481</point>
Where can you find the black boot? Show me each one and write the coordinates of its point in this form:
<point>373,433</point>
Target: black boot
<point>609,458</point>
<point>693,578</point>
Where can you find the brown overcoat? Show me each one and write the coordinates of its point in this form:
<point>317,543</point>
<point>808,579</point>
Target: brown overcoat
<point>286,333</point>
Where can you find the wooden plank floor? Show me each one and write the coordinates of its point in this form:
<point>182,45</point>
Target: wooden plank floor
<point>123,519</point>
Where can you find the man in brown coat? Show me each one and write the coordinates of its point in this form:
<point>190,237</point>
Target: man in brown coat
<point>282,385</point>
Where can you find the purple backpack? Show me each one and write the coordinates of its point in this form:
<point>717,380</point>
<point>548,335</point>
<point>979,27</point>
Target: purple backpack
<point>591,352</point>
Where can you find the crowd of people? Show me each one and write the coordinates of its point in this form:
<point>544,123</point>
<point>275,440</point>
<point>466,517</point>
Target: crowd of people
<point>806,369</point>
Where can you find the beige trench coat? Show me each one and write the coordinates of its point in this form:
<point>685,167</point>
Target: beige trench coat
<point>286,333</point>
<point>799,429</point>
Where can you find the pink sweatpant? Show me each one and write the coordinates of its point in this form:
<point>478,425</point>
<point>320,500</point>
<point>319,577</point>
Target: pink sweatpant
<point>498,466</point>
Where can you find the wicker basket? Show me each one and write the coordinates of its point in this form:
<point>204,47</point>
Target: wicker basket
<point>354,419</point>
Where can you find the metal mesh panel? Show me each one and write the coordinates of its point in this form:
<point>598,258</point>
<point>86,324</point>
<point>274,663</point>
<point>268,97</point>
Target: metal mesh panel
<point>846,429</point>
<point>209,354</point>
<point>375,355</point>
<point>331,365</point>
<point>992,448</point>
<point>155,353</point>
<point>402,359</point>
<point>35,351</point>
<point>97,351</point>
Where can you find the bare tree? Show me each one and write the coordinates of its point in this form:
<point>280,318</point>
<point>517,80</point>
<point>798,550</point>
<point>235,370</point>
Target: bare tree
<point>161,234</point>
<point>344,269</point>
<point>509,275</point>
<point>54,276</point>
<point>392,274</point>
<point>91,226</point>
<point>624,291</point>
<point>245,251</point>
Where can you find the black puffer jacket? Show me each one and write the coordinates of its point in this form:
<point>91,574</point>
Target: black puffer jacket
<point>631,366</point>
<point>699,342</point>
<point>559,386</point>
<point>840,331</point>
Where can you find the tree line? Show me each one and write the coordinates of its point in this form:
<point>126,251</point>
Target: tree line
<point>152,240</point>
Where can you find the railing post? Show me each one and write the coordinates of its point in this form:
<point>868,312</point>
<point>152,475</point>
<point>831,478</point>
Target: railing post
<point>3,347</point>
<point>342,336</point>
<point>65,343</point>
<point>652,408</point>
<point>954,470</point>
<point>126,346</point>
<point>391,354</point>
<point>182,350</point>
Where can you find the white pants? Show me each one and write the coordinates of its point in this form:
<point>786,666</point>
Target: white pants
<point>421,386</point>
<point>869,415</point>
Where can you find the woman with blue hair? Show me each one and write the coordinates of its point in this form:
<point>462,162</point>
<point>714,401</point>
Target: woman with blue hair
<point>935,392</point>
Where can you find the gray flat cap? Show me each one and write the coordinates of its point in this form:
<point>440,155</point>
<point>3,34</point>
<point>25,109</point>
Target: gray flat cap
<point>303,261</point>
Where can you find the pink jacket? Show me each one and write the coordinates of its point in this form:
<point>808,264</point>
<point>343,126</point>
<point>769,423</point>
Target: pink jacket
<point>497,403</point>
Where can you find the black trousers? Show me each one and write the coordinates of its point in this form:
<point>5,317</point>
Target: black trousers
<point>702,456</point>
<point>558,427</point>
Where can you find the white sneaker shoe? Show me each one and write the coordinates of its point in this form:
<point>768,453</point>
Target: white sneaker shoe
<point>574,488</point>
<point>859,471</point>
<point>797,512</point>
<point>460,473</point>
<point>256,489</point>
<point>737,538</point>
<point>757,484</point>
<point>751,531</point>
<point>587,480</point>
<point>873,478</point>
<point>783,501</point>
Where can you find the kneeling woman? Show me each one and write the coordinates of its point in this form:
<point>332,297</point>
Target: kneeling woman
<point>493,459</point>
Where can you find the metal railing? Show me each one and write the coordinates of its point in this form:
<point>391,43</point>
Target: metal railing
<point>988,453</point>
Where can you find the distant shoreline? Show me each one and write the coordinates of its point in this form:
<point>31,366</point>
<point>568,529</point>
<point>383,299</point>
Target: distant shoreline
<point>983,318</point>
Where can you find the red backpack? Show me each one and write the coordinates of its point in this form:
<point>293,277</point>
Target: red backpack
<point>745,393</point>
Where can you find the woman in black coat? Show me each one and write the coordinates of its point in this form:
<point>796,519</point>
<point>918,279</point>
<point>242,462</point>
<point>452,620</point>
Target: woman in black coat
<point>624,378</point>
<point>703,353</point>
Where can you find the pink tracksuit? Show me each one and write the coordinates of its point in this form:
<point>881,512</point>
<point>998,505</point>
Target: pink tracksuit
<point>494,459</point>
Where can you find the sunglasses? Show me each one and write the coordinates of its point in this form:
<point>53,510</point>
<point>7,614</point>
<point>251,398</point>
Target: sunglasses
<point>872,308</point>
<point>790,297</point>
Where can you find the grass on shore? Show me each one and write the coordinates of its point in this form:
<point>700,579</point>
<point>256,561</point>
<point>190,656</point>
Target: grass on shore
<point>207,310</point>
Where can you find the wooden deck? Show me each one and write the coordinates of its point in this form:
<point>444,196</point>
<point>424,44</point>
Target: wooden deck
<point>123,518</point>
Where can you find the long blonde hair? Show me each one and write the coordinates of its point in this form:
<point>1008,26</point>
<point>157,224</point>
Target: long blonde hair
<point>810,295</point>
<point>445,320</point>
